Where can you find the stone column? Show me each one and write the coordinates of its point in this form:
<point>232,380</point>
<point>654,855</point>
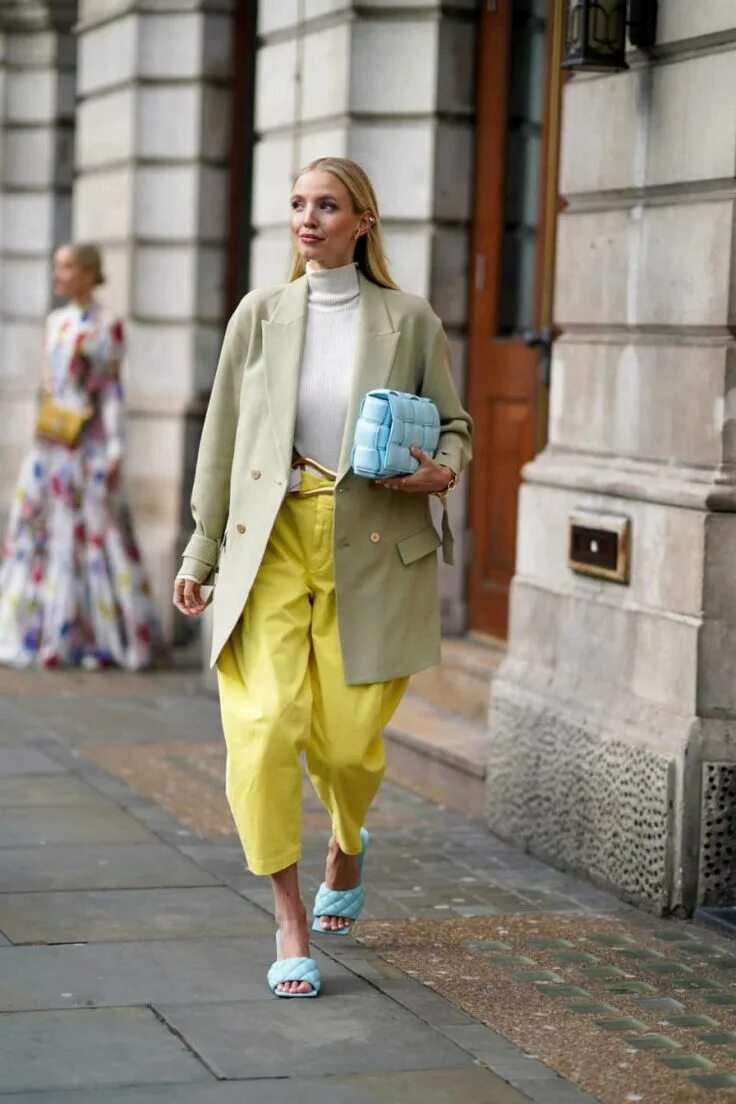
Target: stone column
<point>36,137</point>
<point>613,719</point>
<point>391,87</point>
<point>153,142</point>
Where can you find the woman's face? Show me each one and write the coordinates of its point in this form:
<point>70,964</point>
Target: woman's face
<point>323,222</point>
<point>71,280</point>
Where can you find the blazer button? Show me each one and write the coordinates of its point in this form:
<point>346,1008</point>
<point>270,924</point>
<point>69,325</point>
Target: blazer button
<point>240,527</point>
<point>375,538</point>
<point>255,474</point>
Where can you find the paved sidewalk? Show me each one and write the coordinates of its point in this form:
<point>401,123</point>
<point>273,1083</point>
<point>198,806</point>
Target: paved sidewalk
<point>134,946</point>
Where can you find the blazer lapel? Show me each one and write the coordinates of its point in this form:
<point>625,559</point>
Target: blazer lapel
<point>374,357</point>
<point>283,340</point>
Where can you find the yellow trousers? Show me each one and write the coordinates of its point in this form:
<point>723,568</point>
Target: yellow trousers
<point>283,692</point>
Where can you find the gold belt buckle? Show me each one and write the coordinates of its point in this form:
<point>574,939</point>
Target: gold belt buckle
<point>307,462</point>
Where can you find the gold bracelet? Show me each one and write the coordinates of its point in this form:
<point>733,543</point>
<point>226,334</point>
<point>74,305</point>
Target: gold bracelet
<point>442,495</point>
<point>453,478</point>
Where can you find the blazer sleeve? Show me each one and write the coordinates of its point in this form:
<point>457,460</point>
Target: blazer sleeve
<point>456,426</point>
<point>210,501</point>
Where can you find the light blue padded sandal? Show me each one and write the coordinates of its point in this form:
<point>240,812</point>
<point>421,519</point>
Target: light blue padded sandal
<point>347,903</point>
<point>293,969</point>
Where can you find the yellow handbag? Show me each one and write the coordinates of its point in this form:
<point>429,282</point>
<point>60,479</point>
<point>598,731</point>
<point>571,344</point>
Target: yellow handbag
<point>61,424</point>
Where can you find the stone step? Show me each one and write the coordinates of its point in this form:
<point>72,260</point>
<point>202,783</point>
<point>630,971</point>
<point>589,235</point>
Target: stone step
<point>438,754</point>
<point>461,682</point>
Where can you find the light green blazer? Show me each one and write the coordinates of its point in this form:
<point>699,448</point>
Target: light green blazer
<point>386,588</point>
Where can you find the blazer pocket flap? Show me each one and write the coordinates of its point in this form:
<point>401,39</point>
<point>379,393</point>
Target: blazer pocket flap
<point>418,544</point>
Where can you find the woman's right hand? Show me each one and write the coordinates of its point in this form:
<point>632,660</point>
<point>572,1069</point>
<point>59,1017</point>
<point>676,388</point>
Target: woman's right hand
<point>188,597</point>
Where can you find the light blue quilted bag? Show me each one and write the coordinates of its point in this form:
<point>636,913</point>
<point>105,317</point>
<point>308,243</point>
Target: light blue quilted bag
<point>389,423</point>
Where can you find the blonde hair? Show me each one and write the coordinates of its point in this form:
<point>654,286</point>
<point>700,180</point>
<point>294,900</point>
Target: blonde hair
<point>369,252</point>
<point>89,256</point>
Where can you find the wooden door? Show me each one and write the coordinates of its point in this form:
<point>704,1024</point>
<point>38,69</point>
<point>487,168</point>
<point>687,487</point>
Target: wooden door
<point>511,302</point>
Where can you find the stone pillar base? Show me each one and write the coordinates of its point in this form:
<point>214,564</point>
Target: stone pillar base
<point>570,779</point>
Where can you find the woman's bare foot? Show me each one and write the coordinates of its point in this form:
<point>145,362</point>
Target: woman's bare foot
<point>293,943</point>
<point>341,872</point>
<point>291,917</point>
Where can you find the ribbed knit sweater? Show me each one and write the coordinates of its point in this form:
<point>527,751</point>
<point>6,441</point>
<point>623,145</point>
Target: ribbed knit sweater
<point>327,363</point>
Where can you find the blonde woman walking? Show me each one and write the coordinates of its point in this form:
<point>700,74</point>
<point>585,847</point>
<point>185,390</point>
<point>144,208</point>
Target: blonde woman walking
<point>325,599</point>
<point>72,586</point>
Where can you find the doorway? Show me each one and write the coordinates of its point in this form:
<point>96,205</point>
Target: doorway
<point>242,141</point>
<point>511,321</point>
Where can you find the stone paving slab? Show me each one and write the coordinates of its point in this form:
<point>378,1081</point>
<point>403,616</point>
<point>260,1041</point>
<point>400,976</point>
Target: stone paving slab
<point>465,1086</point>
<point>106,866</point>
<point>31,790</point>
<point>422,1001</point>
<point>27,760</point>
<point>105,974</point>
<point>50,824</point>
<point>522,1071</point>
<point>59,1050</point>
<point>153,746</point>
<point>347,1033</point>
<point>107,720</point>
<point>16,724</point>
<point>182,680</point>
<point>13,737</point>
<point>220,858</point>
<point>184,777</point>
<point>90,916</point>
<point>107,785</point>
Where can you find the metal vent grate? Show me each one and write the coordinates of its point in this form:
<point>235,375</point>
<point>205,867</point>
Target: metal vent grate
<point>718,835</point>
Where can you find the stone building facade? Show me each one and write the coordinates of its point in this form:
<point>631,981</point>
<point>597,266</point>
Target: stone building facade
<point>168,130</point>
<point>116,129</point>
<point>331,78</point>
<point>37,109</point>
<point>131,111</point>
<point>614,715</point>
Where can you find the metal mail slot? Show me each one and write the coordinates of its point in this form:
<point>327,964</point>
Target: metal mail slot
<point>599,545</point>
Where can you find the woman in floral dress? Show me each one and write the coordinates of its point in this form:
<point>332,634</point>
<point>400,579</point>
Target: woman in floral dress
<point>72,587</point>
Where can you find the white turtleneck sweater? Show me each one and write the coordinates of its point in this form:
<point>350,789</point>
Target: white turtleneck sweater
<point>327,363</point>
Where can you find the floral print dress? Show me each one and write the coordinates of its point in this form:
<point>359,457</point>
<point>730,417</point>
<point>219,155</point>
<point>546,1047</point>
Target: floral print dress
<point>72,586</point>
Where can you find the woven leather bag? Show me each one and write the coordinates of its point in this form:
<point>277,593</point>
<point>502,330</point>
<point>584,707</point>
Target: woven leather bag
<point>61,424</point>
<point>389,423</point>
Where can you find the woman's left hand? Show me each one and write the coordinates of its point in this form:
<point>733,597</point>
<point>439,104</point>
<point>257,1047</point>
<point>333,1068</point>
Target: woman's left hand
<point>429,478</point>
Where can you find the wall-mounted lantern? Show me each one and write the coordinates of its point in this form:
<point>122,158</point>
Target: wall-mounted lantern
<point>595,32</point>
